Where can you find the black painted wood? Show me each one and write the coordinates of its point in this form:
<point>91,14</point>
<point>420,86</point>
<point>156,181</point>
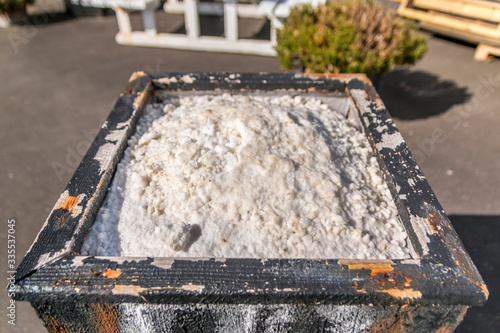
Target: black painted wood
<point>442,273</point>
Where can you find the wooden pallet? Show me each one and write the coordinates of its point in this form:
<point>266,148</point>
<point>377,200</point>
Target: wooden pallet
<point>470,20</point>
<point>486,52</point>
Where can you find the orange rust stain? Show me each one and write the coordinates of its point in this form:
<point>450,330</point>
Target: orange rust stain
<point>433,228</point>
<point>407,282</point>
<point>112,274</point>
<point>68,203</point>
<point>483,288</point>
<point>444,330</point>
<point>376,271</point>
<point>105,318</point>
<point>55,326</point>
<point>404,293</point>
<point>376,267</point>
<point>434,222</point>
<point>319,75</point>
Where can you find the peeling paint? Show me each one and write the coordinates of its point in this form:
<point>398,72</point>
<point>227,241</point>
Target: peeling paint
<point>167,80</point>
<point>105,155</point>
<point>382,128</point>
<point>132,83</point>
<point>434,222</point>
<point>118,260</point>
<point>220,259</point>
<point>117,134</point>
<point>411,262</point>
<point>135,290</point>
<point>112,274</point>
<point>483,288</point>
<point>390,141</point>
<point>164,263</point>
<point>187,79</point>
<point>405,293</point>
<point>136,75</point>
<point>191,287</point>
<point>78,261</point>
<point>422,230</point>
<point>339,77</point>
<point>128,289</point>
<point>375,267</point>
<point>67,201</point>
<point>138,100</point>
<point>70,203</point>
<point>232,78</point>
<point>50,256</point>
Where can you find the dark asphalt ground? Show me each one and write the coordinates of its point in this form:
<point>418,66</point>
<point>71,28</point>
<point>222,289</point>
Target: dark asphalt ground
<point>60,79</point>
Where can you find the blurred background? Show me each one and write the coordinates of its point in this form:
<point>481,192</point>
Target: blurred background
<point>61,71</point>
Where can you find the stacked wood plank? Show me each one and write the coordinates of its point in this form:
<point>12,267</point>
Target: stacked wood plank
<point>474,21</point>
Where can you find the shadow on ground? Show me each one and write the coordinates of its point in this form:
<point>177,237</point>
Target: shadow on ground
<point>41,19</point>
<point>480,236</point>
<point>411,95</point>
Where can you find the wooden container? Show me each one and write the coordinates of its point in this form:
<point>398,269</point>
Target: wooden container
<point>73,293</point>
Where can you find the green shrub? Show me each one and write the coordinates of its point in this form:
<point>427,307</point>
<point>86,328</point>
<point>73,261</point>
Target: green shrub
<point>348,37</point>
<point>8,6</point>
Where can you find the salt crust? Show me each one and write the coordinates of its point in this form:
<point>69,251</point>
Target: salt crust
<point>247,176</point>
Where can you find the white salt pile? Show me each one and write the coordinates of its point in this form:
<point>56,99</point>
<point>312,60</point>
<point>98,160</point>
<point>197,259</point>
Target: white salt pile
<point>248,176</point>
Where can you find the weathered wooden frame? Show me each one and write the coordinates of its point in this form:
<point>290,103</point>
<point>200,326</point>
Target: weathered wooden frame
<point>442,275</point>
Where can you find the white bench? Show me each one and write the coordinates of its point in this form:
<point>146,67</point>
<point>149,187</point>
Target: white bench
<point>274,10</point>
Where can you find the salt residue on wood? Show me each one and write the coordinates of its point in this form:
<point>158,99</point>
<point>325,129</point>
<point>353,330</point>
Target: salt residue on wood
<point>248,176</point>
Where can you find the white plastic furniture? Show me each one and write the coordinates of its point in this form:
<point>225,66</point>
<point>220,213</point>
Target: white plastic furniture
<point>274,10</point>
